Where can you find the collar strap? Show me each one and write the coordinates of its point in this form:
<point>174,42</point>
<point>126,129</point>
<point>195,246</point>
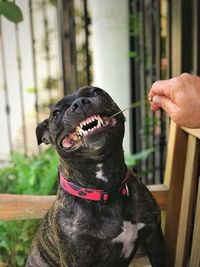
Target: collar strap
<point>95,194</point>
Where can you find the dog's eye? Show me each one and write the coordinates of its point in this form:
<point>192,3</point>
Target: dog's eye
<point>95,91</point>
<point>56,114</point>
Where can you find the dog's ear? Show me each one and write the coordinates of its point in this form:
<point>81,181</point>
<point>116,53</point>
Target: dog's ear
<point>42,132</point>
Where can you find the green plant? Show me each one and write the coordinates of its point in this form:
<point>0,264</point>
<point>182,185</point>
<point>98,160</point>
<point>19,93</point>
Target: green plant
<point>132,160</point>
<point>30,175</point>
<point>15,241</point>
<point>11,11</point>
<point>25,175</point>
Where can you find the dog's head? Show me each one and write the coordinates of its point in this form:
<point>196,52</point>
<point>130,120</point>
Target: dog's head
<point>79,123</point>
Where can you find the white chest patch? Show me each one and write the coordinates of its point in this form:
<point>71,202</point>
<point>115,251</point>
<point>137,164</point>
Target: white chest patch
<point>99,173</point>
<point>128,236</point>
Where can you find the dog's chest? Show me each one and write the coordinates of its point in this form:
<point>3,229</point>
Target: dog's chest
<point>115,232</point>
<point>127,237</point>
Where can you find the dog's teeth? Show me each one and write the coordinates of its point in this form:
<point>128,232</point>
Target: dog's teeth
<point>78,128</point>
<point>75,138</point>
<point>79,131</point>
<point>107,122</point>
<point>82,131</point>
<point>99,124</point>
<point>100,120</point>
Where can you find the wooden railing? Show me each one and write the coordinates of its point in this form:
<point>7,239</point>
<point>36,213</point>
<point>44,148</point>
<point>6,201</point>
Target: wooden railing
<point>179,197</point>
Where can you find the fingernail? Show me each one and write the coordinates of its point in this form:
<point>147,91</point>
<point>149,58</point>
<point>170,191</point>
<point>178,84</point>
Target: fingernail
<point>156,100</point>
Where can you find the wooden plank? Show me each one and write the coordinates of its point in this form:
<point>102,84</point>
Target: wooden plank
<point>174,174</point>
<point>194,132</point>
<point>20,207</point>
<point>140,262</point>
<point>195,252</point>
<point>17,207</point>
<point>66,11</point>
<point>188,198</point>
<point>160,193</point>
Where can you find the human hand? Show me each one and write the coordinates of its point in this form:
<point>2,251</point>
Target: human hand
<point>179,97</point>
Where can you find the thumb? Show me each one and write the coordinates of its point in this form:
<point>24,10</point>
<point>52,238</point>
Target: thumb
<point>165,103</point>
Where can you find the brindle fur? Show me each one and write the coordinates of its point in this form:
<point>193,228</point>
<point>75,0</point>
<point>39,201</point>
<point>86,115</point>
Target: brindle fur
<point>81,233</point>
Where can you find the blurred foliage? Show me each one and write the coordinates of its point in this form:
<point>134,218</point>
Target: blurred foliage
<point>30,175</point>
<point>35,175</point>
<point>132,160</point>
<point>134,29</point>
<point>54,2</point>
<point>134,24</point>
<point>15,241</point>
<point>11,11</point>
<point>82,49</point>
<point>31,90</point>
<point>51,82</point>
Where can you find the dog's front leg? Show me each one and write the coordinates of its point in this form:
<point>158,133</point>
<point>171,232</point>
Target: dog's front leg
<point>154,246</point>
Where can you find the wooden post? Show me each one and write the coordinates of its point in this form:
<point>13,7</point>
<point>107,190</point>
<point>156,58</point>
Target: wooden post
<point>66,18</point>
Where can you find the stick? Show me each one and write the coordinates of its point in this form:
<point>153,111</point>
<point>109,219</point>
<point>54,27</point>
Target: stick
<point>132,106</point>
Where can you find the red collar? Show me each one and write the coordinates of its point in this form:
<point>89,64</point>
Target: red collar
<point>95,194</point>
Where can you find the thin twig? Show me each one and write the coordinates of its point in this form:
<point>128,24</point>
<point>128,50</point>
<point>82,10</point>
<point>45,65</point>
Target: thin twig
<point>132,106</point>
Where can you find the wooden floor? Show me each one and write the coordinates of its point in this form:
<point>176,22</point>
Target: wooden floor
<point>140,262</point>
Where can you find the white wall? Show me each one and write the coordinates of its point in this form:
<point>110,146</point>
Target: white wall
<point>110,47</point>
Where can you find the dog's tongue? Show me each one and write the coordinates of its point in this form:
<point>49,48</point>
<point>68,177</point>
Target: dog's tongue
<point>69,140</point>
<point>67,143</point>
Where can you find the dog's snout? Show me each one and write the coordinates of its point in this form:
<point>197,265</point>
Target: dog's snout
<point>80,105</point>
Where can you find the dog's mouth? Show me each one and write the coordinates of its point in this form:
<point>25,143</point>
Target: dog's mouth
<point>86,128</point>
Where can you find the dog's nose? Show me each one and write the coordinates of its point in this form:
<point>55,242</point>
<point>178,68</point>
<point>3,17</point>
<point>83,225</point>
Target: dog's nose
<point>80,105</point>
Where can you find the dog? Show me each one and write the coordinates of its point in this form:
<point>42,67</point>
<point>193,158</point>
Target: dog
<point>103,212</point>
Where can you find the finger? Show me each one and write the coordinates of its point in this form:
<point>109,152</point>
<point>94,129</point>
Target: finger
<point>154,107</point>
<point>161,88</point>
<point>166,104</point>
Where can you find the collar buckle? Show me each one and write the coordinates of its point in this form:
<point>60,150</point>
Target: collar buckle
<point>104,197</point>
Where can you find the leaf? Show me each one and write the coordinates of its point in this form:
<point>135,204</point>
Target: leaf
<point>54,2</point>
<point>31,90</point>
<point>133,54</point>
<point>4,245</point>
<point>19,260</point>
<point>131,160</point>
<point>11,11</point>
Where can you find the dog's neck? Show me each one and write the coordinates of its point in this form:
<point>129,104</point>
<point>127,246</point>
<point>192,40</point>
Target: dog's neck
<point>101,172</point>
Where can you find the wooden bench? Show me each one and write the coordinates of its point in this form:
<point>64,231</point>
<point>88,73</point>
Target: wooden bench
<point>181,204</point>
<point>178,197</point>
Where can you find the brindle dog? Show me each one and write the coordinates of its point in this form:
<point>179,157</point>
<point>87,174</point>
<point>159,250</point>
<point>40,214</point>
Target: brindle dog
<point>102,212</point>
